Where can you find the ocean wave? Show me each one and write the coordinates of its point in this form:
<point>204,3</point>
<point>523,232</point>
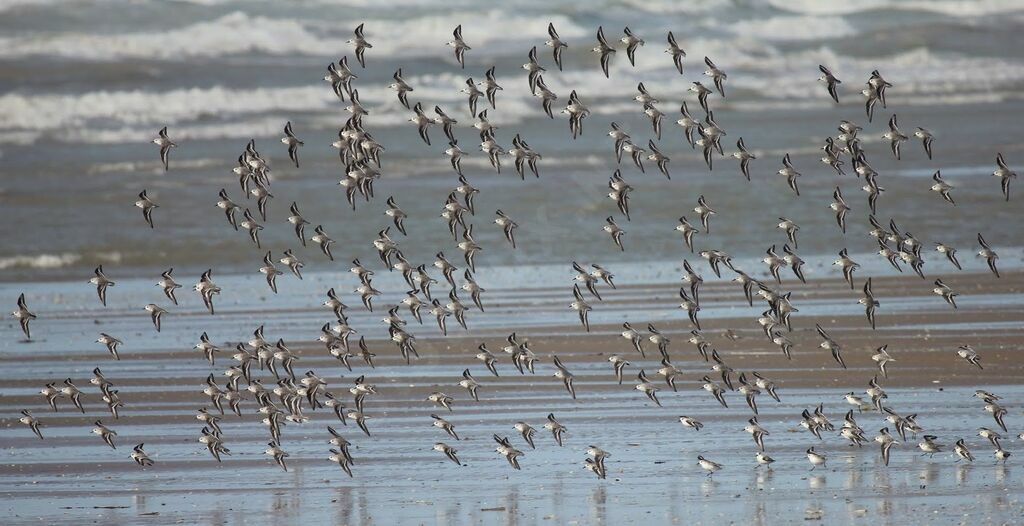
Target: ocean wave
<point>240,33</point>
<point>230,34</point>
<point>959,8</point>
<point>135,107</point>
<point>41,261</point>
<point>793,28</point>
<point>675,7</point>
<point>54,261</point>
<point>921,77</point>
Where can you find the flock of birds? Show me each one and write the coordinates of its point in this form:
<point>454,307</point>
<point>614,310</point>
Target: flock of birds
<point>360,155</point>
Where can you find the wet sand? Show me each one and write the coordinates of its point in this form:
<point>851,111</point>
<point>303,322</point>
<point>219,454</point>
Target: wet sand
<point>71,476</point>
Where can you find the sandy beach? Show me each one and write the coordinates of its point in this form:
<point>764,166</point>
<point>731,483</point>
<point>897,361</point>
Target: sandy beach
<point>652,472</point>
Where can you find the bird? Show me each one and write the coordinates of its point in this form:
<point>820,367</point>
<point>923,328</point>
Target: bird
<point>206,347</point>
<point>401,87</point>
<point>474,95</point>
<point>960,448</point>
<point>292,143</point>
<point>990,435</point>
<point>659,339</point>
<point>459,45</point>
<point>604,49</point>
<point>321,238</point>
<point>831,82</point>
<point>441,399</point>
<point>155,312</point>
<point>708,466</point>
<point>794,261</point>
<point>563,374</point>
<point>715,390</point>
<point>645,386</point>
<point>632,43</point>
<point>660,159</point>
<point>275,451</point>
<point>597,461</point>
<point>816,459</point>
<point>677,52</point>
<point>508,226</point>
<point>894,136</point>
<point>886,441</point>
<point>105,433</point>
<point>110,342</point>
<point>449,452</point>
<point>688,123</point>
<point>207,289</point>
<point>634,336</point>
<point>510,453</point>
<point>168,285</point>
<point>942,187</point>
<point>534,68</point>
<point>690,306</point>
<point>577,111</point>
<point>614,230</point>
<point>225,203</point>
<point>872,96</point>
<point>998,413</point>
<point>360,43</point>
<point>690,422</point>
<point>744,158</point>
<point>927,138</point>
<point>717,75</point>
<point>970,355</point>
<point>165,144</point>
<point>396,214</point>
<point>929,446</point>
<point>869,302</point>
<point>556,44</point>
<point>705,212</point>
<point>879,84</point>
<point>989,255</point>
<point>830,345</point>
<point>146,205</point>
<point>252,226</point>
<point>445,425</point>
<point>140,457</point>
<point>490,86</point>
<point>882,357</point>
<point>422,122</point>
<point>527,432</point>
<point>32,422</point>
<point>948,294</point>
<point>270,272</point>
<point>546,96</point>
<point>848,266</point>
<point>470,384</point>
<point>688,231</point>
<point>618,364</point>
<point>790,174</point>
<point>1004,174</point>
<point>950,253</point>
<point>791,228</point>
<point>757,432</point>
<point>293,262</point>
<point>581,307</point>
<point>556,428</point>
<point>340,457</point>
<point>702,94</point>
